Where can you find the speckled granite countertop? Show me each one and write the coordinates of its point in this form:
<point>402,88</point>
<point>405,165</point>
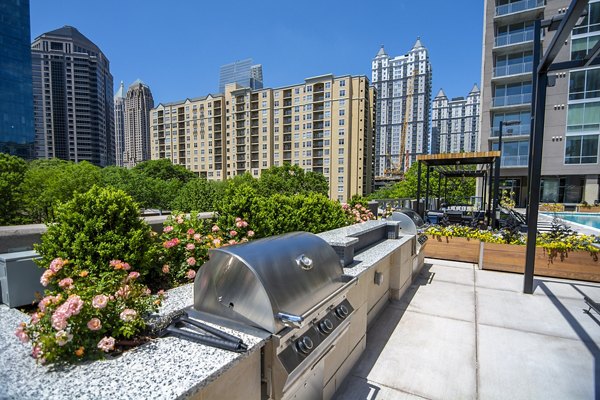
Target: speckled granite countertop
<point>366,258</point>
<point>165,368</point>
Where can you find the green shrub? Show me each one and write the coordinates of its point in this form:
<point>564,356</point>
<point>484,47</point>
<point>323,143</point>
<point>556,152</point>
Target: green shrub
<point>12,172</point>
<point>96,256</point>
<point>97,227</point>
<point>198,195</point>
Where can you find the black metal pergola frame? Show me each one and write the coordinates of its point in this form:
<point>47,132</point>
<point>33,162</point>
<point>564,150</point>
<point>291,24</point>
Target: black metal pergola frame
<point>448,165</point>
<point>563,24</point>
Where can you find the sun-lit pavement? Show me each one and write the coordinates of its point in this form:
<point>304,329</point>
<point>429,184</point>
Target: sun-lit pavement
<point>463,333</point>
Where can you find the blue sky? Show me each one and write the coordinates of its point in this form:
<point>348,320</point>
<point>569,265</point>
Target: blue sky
<point>177,47</point>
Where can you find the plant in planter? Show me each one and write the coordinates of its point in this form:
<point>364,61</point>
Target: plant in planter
<point>186,240</point>
<point>95,255</point>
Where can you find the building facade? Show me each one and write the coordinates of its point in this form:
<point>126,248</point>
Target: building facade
<point>138,103</point>
<point>16,99</point>
<point>73,98</point>
<point>243,72</point>
<point>403,85</point>
<point>324,124</point>
<point>572,124</point>
<point>455,123</point>
<point>119,103</point>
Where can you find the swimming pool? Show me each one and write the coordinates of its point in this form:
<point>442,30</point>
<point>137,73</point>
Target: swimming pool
<point>589,219</point>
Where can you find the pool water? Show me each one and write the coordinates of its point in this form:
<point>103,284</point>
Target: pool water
<point>589,219</point>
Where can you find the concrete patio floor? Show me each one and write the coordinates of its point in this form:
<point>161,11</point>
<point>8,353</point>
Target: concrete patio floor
<point>463,333</point>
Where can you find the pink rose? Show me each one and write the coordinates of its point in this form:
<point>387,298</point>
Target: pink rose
<point>100,301</point>
<point>106,344</point>
<point>66,283</point>
<point>59,320</point>
<point>46,276</point>
<point>167,229</point>
<point>215,228</point>
<point>165,269</point>
<point>197,237</point>
<point>94,324</point>
<point>179,219</point>
<point>57,264</point>
<point>191,231</point>
<point>123,292</point>
<point>239,224</point>
<point>190,246</point>
<point>36,352</point>
<point>45,302</point>
<point>232,233</point>
<point>250,233</point>
<point>147,291</point>
<point>191,274</point>
<point>133,275</point>
<point>217,242</point>
<point>232,241</point>
<point>244,224</point>
<point>237,219</point>
<point>62,337</point>
<point>21,334</point>
<point>35,318</point>
<point>128,315</point>
<point>191,261</point>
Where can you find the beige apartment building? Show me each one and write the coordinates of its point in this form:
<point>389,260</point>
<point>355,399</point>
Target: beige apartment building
<point>570,158</point>
<point>323,125</point>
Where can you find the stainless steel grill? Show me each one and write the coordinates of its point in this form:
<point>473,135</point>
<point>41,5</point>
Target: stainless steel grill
<point>290,286</point>
<point>411,223</point>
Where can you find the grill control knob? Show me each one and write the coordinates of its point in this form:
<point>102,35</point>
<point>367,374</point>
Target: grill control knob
<point>325,326</point>
<point>305,344</point>
<point>342,311</point>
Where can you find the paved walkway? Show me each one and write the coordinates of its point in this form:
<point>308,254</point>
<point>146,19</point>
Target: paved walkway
<point>462,333</point>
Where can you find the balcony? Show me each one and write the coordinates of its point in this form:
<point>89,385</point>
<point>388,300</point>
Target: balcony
<point>514,161</point>
<point>515,69</point>
<point>516,130</point>
<point>512,100</point>
<point>514,38</point>
<point>518,6</point>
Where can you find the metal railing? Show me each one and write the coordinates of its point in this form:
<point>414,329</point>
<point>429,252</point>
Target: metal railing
<point>518,6</point>
<point>514,161</point>
<point>517,130</point>
<point>513,69</point>
<point>514,38</point>
<point>512,100</point>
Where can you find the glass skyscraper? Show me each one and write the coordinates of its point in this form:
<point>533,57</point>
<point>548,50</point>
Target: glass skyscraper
<point>243,73</point>
<point>16,100</point>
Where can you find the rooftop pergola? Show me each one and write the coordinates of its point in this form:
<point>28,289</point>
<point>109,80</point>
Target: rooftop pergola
<point>451,165</point>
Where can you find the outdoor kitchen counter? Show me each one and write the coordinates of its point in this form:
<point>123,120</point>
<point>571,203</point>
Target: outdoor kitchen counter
<point>165,368</point>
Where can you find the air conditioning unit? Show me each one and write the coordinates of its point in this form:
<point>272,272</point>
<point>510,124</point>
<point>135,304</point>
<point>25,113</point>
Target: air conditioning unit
<point>20,278</point>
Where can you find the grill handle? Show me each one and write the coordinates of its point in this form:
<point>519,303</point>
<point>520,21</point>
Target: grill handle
<point>290,319</point>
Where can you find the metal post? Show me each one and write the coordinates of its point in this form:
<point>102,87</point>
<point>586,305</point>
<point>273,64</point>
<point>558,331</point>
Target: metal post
<point>419,188</point>
<point>427,191</point>
<point>490,181</point>
<point>439,192</point>
<point>537,49</point>
<point>497,178</point>
<point>483,197</point>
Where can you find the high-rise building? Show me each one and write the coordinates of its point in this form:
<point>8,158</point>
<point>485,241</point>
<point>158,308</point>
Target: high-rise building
<point>138,104</point>
<point>119,101</point>
<point>401,82</point>
<point>73,98</point>
<point>243,72</point>
<point>16,99</point>
<point>572,124</point>
<point>455,123</point>
<point>324,124</point>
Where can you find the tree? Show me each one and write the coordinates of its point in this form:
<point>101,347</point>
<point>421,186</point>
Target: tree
<point>12,172</point>
<point>165,170</point>
<point>199,195</point>
<point>291,179</point>
<point>48,183</point>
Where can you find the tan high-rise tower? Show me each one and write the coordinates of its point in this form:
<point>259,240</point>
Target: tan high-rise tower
<point>138,104</point>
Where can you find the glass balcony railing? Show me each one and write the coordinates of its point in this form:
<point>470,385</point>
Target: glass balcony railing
<point>512,100</point>
<point>513,161</point>
<point>514,38</point>
<point>513,130</point>
<point>518,6</point>
<point>513,69</point>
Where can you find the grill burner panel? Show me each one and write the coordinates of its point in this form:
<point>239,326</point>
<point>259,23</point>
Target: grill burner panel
<point>293,356</point>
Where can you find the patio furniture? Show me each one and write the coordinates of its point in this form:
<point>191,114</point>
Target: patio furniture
<point>592,304</point>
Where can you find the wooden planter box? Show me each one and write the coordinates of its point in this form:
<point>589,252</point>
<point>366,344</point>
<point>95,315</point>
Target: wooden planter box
<point>590,209</point>
<point>577,265</point>
<point>453,248</point>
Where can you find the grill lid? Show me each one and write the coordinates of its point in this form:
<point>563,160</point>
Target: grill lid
<point>254,282</point>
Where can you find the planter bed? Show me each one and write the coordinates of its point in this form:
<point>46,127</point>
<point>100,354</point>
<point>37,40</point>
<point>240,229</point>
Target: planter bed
<point>453,248</point>
<point>578,265</point>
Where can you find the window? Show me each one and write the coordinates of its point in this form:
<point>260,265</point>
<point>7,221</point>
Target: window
<point>264,95</point>
<point>342,82</point>
<point>591,22</point>
<point>584,84</point>
<point>342,93</point>
<point>583,117</point>
<point>342,113</point>
<point>581,149</point>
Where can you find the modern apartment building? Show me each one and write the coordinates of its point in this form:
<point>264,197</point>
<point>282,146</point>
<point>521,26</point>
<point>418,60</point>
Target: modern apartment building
<point>138,103</point>
<point>324,124</point>
<point>570,169</point>
<point>401,82</point>
<point>119,103</point>
<point>242,72</point>
<point>16,99</point>
<point>455,123</point>
<point>73,98</point>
